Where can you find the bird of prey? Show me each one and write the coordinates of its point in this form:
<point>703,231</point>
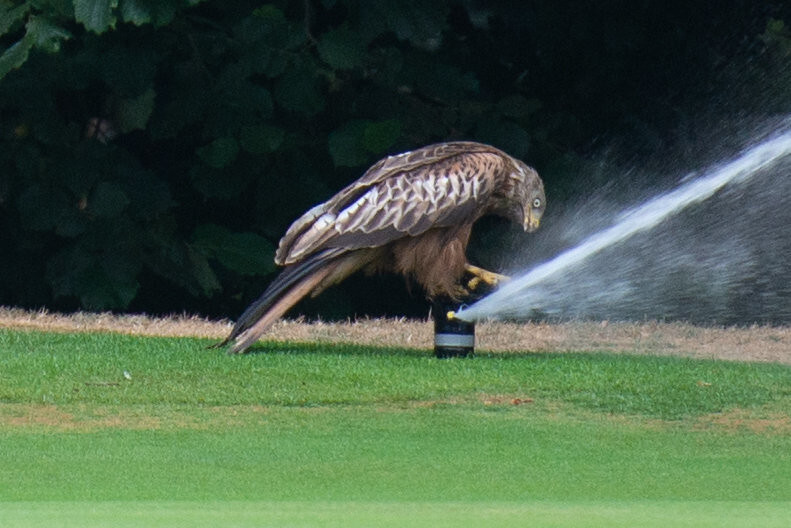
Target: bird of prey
<point>411,214</point>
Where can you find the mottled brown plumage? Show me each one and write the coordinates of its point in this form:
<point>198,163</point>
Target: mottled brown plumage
<point>411,214</point>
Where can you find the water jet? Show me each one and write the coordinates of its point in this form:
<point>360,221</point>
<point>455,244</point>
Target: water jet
<point>546,287</point>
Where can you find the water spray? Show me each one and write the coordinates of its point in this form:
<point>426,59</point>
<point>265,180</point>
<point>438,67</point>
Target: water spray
<point>529,291</point>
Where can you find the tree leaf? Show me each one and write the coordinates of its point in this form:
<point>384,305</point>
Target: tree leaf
<point>15,56</point>
<point>45,34</point>
<point>108,200</point>
<point>420,23</point>
<point>200,271</point>
<point>218,183</point>
<point>442,81</point>
<point>184,266</point>
<point>518,106</point>
<point>129,69</point>
<point>342,49</point>
<point>95,15</point>
<point>352,144</point>
<point>298,91</point>
<point>189,108</point>
<point>346,146</point>
<point>270,14</point>
<point>137,12</point>
<point>133,114</point>
<point>65,268</point>
<point>99,291</point>
<point>101,281</point>
<point>379,136</point>
<point>58,9</point>
<point>506,135</point>
<point>219,153</point>
<point>241,99</point>
<point>261,139</point>
<point>71,222</point>
<point>36,208</point>
<point>157,12</point>
<point>244,253</point>
<point>39,32</point>
<point>149,194</point>
<point>11,14</point>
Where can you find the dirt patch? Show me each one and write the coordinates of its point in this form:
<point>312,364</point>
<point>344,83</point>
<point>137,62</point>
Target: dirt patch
<point>82,418</point>
<point>739,420</point>
<point>73,419</point>
<point>30,415</point>
<point>755,343</point>
<point>501,399</point>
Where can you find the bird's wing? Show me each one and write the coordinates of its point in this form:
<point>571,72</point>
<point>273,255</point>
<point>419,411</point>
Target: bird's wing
<point>436,186</point>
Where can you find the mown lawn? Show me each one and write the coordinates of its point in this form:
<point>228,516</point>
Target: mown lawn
<point>97,428</point>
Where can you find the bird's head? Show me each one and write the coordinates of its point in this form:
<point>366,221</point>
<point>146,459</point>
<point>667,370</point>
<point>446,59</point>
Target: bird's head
<point>528,197</point>
<point>533,209</point>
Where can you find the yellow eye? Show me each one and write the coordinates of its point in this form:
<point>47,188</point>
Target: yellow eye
<point>537,203</point>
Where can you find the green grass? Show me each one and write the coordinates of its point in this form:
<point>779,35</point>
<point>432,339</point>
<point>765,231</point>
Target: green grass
<point>74,368</point>
<point>326,435</point>
<point>258,514</point>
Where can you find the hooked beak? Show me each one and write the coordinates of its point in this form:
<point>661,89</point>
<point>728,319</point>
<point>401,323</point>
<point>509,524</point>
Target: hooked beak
<point>531,223</point>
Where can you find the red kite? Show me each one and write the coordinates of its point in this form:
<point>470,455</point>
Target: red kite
<point>409,214</point>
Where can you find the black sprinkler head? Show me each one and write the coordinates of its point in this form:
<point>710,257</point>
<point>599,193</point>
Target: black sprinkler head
<point>452,337</point>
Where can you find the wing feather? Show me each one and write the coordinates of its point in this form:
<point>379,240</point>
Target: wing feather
<point>407,194</point>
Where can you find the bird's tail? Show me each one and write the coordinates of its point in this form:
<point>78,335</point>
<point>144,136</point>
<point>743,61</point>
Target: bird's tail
<point>294,283</point>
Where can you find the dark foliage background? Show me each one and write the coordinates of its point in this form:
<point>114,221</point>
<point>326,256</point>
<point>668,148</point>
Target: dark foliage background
<point>153,152</point>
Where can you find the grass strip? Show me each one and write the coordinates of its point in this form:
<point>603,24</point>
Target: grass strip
<point>125,370</point>
<point>448,453</point>
<point>342,514</point>
<point>157,431</point>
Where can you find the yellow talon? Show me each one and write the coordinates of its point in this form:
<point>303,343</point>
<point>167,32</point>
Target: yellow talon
<point>481,275</point>
<point>451,315</point>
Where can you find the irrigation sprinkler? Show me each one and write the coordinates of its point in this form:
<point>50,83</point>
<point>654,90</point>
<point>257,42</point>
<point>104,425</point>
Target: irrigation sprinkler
<point>452,336</point>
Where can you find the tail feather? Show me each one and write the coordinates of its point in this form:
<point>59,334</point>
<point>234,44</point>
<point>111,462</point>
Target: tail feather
<point>247,337</point>
<point>287,289</point>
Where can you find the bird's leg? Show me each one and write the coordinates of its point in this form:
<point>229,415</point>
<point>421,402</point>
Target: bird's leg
<point>461,293</point>
<point>480,275</point>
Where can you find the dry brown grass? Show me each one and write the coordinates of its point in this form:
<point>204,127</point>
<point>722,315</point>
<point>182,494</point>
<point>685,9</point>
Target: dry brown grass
<point>756,343</point>
<point>84,418</point>
<point>737,420</point>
